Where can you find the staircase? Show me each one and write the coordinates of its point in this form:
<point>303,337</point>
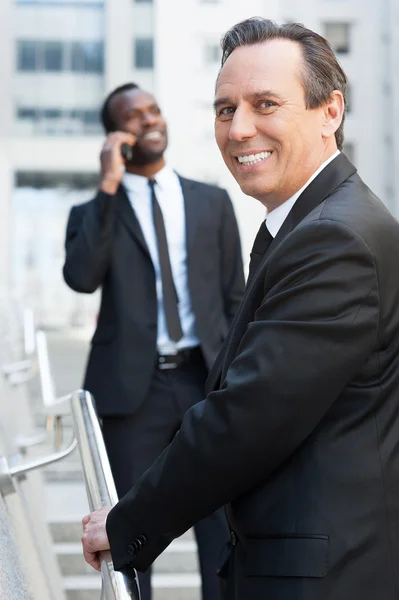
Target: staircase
<point>175,574</point>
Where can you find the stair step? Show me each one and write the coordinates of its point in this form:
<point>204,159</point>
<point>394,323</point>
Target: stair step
<point>179,557</point>
<point>171,586</point>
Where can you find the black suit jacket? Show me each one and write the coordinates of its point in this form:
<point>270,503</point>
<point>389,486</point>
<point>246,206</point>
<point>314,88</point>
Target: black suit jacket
<point>301,439</point>
<point>105,247</point>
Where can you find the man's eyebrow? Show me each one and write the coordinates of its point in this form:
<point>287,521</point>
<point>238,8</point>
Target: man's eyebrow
<point>219,101</point>
<point>266,94</point>
<point>254,96</point>
<point>141,109</point>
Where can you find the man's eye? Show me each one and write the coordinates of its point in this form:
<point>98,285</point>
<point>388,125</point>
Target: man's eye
<point>224,112</point>
<point>267,104</point>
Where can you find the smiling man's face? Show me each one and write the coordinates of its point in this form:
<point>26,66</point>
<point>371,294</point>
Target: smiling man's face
<point>137,112</point>
<point>269,140</point>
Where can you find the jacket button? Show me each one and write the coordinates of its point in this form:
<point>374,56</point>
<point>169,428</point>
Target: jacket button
<point>233,538</point>
<point>131,550</point>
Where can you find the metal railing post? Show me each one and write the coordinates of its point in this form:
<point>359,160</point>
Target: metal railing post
<point>100,489</point>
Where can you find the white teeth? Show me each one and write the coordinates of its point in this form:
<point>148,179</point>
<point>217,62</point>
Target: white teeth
<point>153,135</point>
<point>252,159</point>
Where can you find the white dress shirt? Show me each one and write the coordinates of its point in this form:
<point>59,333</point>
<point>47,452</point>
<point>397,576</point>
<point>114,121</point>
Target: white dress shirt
<point>276,217</point>
<point>170,198</point>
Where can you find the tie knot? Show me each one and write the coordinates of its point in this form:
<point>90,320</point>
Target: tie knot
<point>262,240</point>
<point>152,182</point>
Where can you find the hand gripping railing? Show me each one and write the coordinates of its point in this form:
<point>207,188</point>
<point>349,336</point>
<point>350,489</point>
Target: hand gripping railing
<point>100,490</point>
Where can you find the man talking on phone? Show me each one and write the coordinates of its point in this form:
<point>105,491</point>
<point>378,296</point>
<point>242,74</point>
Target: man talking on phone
<point>166,253</point>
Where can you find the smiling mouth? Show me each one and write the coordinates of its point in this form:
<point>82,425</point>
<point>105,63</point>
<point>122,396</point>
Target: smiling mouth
<point>153,136</point>
<point>252,159</point>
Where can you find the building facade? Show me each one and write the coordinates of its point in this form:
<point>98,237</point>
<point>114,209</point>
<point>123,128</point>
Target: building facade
<point>60,57</point>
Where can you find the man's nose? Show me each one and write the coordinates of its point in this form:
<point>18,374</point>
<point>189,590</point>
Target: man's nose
<point>149,119</point>
<point>242,125</point>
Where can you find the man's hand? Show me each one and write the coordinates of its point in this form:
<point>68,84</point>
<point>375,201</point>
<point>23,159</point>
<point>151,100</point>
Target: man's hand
<point>112,162</point>
<point>94,538</point>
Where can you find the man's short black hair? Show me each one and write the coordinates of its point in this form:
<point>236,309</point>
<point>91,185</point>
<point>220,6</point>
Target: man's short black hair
<point>105,113</point>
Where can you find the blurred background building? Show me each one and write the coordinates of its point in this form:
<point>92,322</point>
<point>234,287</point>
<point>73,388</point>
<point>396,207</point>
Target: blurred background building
<point>60,57</point>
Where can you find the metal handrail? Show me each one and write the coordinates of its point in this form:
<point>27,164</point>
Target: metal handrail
<point>29,331</point>
<point>46,381</point>
<point>100,488</point>
<point>18,470</point>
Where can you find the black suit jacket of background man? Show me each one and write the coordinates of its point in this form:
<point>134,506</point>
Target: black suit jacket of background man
<point>105,247</point>
<point>301,436</point>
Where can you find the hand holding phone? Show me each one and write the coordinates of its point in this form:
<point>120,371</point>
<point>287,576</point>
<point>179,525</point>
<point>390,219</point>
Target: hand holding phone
<point>117,148</point>
<point>127,152</point>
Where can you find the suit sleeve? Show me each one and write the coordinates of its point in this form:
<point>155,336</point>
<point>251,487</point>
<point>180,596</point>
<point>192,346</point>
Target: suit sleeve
<point>89,238</point>
<point>232,273</point>
<point>314,328</point>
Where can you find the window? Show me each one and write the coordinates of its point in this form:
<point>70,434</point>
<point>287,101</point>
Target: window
<point>39,179</point>
<point>29,114</point>
<point>53,56</point>
<point>144,53</point>
<point>349,99</point>
<point>26,56</point>
<point>57,121</point>
<point>213,54</point>
<point>338,34</point>
<point>87,57</point>
<point>349,150</point>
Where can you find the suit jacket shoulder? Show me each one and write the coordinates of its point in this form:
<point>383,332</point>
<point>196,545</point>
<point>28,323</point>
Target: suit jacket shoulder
<point>207,189</point>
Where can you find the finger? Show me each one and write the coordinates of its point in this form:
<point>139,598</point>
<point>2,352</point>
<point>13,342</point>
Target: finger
<point>122,137</point>
<point>93,559</point>
<point>85,520</point>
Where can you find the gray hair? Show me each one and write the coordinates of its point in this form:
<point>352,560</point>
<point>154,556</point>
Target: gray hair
<point>322,73</point>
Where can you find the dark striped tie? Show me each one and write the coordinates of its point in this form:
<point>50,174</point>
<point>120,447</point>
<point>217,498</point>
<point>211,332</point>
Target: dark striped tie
<point>170,299</point>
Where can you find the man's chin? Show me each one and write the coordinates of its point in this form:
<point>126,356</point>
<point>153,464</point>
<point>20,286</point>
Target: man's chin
<point>256,189</point>
<point>145,159</point>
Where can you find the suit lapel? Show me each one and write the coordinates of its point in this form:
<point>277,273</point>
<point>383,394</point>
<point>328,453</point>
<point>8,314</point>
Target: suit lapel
<point>330,178</point>
<point>192,205</point>
<point>126,213</point>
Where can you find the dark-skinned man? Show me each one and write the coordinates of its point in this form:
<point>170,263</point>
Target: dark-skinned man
<point>166,253</point>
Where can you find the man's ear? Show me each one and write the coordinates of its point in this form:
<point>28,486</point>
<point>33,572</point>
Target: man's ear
<point>333,112</point>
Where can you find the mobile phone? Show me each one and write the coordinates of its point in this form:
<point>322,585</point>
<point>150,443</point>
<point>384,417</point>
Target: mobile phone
<point>127,151</point>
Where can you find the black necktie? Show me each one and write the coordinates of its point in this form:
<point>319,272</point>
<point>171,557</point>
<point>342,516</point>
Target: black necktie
<point>261,244</point>
<point>170,300</point>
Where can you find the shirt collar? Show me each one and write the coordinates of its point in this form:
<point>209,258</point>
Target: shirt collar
<point>138,183</point>
<point>277,216</point>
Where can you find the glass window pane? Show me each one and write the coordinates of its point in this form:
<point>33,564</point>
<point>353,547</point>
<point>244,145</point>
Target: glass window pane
<point>27,113</point>
<point>349,101</point>
<point>88,57</point>
<point>52,113</point>
<point>338,34</point>
<point>53,56</point>
<point>144,53</point>
<point>26,55</point>
<point>349,150</point>
<point>212,53</point>
<point>94,57</point>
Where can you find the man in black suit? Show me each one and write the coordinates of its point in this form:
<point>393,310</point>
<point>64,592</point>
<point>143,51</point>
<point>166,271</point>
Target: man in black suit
<point>166,252</point>
<point>299,433</point>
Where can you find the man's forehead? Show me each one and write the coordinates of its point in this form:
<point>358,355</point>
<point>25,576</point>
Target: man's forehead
<point>134,98</point>
<point>273,60</point>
